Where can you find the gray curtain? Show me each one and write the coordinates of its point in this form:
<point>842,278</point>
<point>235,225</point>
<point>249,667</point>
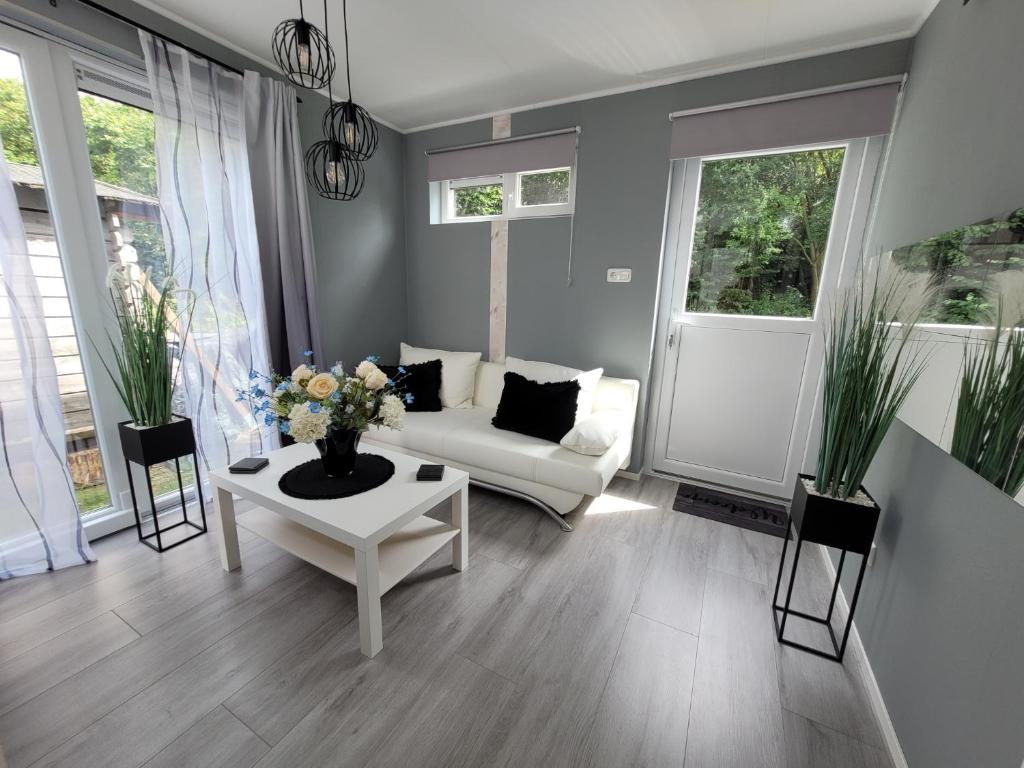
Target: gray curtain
<point>282,221</point>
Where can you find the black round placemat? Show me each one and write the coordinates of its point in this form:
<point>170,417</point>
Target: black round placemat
<point>309,481</point>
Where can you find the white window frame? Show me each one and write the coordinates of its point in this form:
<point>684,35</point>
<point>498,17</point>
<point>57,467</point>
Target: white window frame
<point>52,89</point>
<point>512,207</point>
<point>448,198</point>
<point>520,211</point>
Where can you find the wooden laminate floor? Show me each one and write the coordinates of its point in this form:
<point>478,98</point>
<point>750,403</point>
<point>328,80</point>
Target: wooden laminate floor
<point>644,638</point>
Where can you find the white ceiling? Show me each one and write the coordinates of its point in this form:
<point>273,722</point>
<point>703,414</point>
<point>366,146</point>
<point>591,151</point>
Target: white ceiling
<point>417,63</point>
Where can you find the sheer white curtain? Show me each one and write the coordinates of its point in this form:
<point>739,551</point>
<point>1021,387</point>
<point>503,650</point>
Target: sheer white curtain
<point>209,233</point>
<point>40,529</point>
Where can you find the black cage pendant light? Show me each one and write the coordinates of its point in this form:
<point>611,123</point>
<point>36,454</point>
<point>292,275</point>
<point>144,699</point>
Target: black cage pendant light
<point>332,171</point>
<point>303,52</point>
<point>347,121</point>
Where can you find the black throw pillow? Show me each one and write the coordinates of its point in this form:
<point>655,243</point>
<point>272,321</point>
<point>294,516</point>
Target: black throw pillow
<point>546,411</point>
<point>421,380</point>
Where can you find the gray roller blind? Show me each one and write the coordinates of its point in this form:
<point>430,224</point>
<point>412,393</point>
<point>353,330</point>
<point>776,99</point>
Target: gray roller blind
<point>505,156</point>
<point>836,116</point>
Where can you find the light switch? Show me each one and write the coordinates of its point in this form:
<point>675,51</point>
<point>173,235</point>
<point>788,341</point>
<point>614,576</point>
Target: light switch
<point>620,275</point>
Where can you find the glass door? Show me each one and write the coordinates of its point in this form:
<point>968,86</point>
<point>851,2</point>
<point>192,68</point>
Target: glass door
<point>78,135</point>
<point>759,243</point>
<point>31,186</point>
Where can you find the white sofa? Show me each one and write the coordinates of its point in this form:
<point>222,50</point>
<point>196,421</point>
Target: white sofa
<point>541,472</point>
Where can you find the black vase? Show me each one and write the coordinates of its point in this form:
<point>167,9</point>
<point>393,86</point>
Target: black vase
<point>338,452</point>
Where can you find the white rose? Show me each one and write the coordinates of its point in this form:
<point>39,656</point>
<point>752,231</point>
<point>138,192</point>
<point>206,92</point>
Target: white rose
<point>365,368</point>
<point>302,373</point>
<point>376,379</point>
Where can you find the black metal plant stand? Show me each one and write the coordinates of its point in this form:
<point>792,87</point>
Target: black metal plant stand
<point>834,523</point>
<point>155,445</point>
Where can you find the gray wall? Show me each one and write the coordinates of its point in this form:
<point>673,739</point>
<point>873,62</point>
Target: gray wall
<point>956,155</point>
<point>941,613</point>
<point>620,210</point>
<point>359,244</point>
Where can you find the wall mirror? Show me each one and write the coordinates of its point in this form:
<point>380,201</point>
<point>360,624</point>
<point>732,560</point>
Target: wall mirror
<point>970,399</point>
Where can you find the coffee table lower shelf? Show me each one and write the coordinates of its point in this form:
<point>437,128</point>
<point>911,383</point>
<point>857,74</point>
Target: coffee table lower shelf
<point>399,555</point>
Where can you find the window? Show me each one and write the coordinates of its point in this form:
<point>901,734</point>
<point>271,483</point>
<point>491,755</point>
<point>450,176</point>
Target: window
<point>762,232</point>
<point>543,188</point>
<point>119,132</point>
<point>475,198</point>
<point>16,130</point>
<point>525,194</point>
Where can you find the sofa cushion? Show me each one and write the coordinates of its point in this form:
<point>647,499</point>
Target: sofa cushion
<point>467,436</point>
<point>420,380</point>
<point>549,372</point>
<point>458,372</point>
<point>595,434</point>
<point>546,411</point>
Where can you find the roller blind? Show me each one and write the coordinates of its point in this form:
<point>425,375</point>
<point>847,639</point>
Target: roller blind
<point>850,114</point>
<point>503,156</point>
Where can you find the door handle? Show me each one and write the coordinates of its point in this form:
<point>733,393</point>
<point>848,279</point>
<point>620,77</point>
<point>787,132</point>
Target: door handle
<point>674,332</point>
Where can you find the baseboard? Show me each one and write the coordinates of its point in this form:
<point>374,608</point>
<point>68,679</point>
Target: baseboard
<point>892,741</point>
<point>625,473</point>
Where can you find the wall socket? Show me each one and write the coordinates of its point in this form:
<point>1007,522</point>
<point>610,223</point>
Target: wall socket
<point>620,275</point>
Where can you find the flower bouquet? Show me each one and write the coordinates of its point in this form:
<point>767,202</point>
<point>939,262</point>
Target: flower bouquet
<point>330,408</point>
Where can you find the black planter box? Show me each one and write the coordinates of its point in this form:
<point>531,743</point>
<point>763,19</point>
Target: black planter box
<point>838,523</point>
<point>154,445</point>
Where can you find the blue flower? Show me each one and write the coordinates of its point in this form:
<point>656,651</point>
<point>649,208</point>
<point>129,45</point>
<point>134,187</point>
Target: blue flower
<point>283,426</point>
<point>240,396</point>
<point>253,375</point>
<point>401,369</point>
<point>335,396</point>
<point>268,419</point>
<point>391,382</point>
<point>314,407</point>
<point>338,370</point>
<point>282,387</point>
<point>259,392</point>
<point>308,353</point>
<point>409,398</point>
<point>372,358</point>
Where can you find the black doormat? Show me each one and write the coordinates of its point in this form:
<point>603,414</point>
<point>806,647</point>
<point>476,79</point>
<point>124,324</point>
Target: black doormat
<point>735,510</point>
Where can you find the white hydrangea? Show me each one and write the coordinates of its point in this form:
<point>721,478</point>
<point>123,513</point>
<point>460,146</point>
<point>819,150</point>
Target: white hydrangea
<point>391,411</point>
<point>305,426</point>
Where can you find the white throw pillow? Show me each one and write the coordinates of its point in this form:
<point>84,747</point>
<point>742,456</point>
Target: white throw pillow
<point>547,372</point>
<point>595,434</point>
<point>458,372</point>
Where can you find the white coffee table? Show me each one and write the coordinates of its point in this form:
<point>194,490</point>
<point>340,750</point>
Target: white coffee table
<point>373,539</point>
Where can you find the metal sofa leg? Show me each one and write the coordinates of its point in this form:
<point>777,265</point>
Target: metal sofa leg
<point>564,524</point>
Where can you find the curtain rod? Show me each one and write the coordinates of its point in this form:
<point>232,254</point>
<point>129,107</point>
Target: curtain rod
<point>888,80</point>
<point>121,17</point>
<point>509,140</point>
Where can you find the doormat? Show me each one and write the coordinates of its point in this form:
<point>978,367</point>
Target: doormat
<point>751,514</point>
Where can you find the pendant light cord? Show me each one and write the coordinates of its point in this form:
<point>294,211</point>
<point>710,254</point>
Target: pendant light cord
<point>327,38</point>
<point>348,68</point>
<point>302,13</point>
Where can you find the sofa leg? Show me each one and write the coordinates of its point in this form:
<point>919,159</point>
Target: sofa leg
<point>564,524</point>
